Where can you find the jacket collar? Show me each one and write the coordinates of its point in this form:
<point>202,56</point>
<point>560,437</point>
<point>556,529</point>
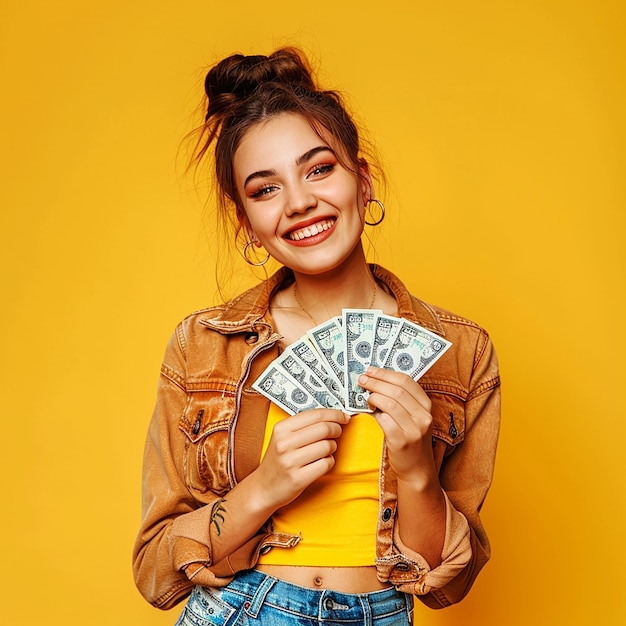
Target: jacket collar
<point>248,311</point>
<point>409,307</point>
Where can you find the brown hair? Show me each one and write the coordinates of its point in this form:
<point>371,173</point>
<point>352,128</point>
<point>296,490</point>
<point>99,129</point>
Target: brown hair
<point>243,91</point>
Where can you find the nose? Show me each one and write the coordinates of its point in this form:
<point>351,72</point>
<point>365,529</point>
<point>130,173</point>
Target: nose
<point>299,198</point>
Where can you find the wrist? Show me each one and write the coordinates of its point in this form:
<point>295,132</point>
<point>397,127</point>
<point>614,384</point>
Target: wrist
<point>423,479</point>
<point>261,497</point>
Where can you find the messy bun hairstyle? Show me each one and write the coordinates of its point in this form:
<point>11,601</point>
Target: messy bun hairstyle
<point>242,91</point>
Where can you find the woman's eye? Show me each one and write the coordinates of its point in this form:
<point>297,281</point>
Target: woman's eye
<point>262,191</point>
<point>320,170</point>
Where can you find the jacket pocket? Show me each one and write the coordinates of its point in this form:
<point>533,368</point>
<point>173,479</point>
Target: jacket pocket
<point>448,412</point>
<point>206,423</point>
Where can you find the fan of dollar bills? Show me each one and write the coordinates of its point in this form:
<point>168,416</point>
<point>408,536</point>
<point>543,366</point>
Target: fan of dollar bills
<point>322,368</point>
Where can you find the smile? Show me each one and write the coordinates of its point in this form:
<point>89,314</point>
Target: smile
<point>311,231</point>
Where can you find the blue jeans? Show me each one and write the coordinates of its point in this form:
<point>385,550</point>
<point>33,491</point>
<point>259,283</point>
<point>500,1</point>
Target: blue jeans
<point>254,598</point>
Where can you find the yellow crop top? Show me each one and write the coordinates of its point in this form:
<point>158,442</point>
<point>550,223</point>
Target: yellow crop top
<point>337,515</point>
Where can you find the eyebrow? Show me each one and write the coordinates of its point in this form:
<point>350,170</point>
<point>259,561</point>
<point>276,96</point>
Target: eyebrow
<point>307,156</point>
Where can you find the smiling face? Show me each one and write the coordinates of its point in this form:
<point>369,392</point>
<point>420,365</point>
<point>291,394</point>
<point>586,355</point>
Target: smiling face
<point>296,198</point>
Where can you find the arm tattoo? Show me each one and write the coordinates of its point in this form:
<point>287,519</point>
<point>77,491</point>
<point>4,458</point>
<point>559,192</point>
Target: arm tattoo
<point>217,515</point>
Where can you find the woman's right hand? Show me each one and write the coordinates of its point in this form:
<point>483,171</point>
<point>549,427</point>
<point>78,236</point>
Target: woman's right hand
<point>300,451</point>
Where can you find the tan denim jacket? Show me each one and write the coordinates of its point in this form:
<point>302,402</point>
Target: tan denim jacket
<point>207,429</point>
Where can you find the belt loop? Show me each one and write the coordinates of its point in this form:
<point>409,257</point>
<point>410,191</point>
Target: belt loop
<point>259,596</point>
<point>366,607</point>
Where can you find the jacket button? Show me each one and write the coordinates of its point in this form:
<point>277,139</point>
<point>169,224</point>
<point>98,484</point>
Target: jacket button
<point>387,514</point>
<point>198,423</point>
<point>251,338</point>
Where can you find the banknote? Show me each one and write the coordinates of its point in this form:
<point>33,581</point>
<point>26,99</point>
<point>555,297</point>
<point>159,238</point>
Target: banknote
<point>414,350</point>
<point>290,364</point>
<point>386,328</point>
<point>284,391</point>
<point>327,338</point>
<point>304,350</point>
<point>358,334</point>
<point>321,369</point>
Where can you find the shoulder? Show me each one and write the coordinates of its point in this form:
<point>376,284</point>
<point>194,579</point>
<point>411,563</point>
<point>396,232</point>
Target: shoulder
<point>471,361</point>
<point>470,341</point>
<point>240,314</point>
<point>453,325</point>
<point>430,316</point>
<point>191,327</point>
<point>205,340</point>
<point>244,313</point>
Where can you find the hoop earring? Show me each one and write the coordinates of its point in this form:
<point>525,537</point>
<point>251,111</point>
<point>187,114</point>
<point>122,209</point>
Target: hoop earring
<point>382,212</point>
<point>245,253</point>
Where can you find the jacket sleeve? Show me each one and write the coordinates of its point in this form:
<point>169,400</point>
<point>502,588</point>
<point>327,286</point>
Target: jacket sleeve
<point>172,551</point>
<point>465,476</point>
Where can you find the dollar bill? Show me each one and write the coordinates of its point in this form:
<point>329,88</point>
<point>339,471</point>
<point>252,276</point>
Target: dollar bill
<point>306,379</point>
<point>284,391</point>
<point>386,328</point>
<point>321,369</point>
<point>304,350</point>
<point>358,332</point>
<point>415,350</point>
<point>327,339</point>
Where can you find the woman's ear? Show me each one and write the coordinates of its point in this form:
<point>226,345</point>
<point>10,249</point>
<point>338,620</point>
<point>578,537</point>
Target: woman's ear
<point>365,180</point>
<point>244,224</point>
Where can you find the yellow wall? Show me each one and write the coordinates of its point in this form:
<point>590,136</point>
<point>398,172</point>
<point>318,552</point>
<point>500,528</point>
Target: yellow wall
<point>503,128</point>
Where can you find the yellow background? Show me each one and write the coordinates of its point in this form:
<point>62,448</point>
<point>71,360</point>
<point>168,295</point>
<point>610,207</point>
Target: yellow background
<point>502,125</point>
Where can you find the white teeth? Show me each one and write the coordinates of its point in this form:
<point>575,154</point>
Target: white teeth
<point>310,231</point>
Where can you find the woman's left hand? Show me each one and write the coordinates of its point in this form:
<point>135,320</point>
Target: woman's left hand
<point>402,409</point>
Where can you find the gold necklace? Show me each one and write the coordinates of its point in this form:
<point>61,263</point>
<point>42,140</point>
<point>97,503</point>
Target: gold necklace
<point>295,295</point>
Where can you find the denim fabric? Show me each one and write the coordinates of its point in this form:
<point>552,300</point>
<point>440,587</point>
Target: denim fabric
<point>256,598</point>
<point>207,430</point>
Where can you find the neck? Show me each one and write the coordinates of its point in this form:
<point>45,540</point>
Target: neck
<point>349,286</point>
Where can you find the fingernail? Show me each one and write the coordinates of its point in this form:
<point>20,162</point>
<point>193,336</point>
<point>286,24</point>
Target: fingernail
<point>371,369</point>
<point>363,379</point>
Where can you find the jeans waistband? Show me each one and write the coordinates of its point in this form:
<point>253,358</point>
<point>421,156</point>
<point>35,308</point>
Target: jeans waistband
<point>259,588</point>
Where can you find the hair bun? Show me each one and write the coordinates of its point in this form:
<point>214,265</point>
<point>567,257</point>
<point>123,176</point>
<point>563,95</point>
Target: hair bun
<point>238,76</point>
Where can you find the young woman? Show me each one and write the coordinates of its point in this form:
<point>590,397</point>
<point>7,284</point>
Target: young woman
<point>320,517</point>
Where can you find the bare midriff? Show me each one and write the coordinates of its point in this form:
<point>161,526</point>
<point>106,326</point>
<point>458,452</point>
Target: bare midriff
<point>343,579</point>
